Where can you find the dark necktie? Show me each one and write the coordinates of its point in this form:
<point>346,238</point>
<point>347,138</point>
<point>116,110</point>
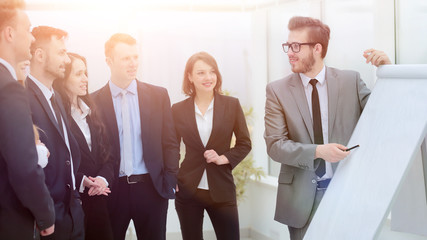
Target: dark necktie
<point>57,115</point>
<point>317,125</point>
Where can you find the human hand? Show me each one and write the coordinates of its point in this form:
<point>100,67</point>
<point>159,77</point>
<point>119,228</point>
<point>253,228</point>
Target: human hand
<point>48,231</point>
<point>94,187</point>
<point>213,157</point>
<point>102,188</point>
<point>376,57</point>
<point>332,152</point>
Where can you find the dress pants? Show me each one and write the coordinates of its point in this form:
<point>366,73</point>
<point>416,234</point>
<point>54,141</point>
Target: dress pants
<point>140,202</point>
<point>97,219</point>
<point>224,216</point>
<point>298,233</point>
<point>68,228</point>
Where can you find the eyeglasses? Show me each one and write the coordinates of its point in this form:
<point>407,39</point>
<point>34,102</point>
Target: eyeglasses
<point>295,46</point>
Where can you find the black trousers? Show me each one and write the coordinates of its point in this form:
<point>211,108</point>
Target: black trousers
<point>71,224</point>
<point>141,203</point>
<point>97,219</point>
<point>224,216</point>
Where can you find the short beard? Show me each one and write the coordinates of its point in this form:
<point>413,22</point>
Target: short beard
<point>55,74</point>
<point>307,64</point>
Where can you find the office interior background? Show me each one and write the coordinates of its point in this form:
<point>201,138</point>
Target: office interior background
<point>245,37</point>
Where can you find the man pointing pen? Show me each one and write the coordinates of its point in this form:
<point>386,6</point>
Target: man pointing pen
<point>309,117</point>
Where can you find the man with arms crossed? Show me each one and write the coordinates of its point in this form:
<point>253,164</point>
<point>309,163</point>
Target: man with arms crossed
<point>143,143</point>
<point>309,117</point>
<point>47,64</point>
<point>25,202</point>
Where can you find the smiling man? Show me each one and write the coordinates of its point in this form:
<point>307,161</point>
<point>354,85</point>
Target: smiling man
<point>309,118</point>
<point>143,143</point>
<point>47,64</point>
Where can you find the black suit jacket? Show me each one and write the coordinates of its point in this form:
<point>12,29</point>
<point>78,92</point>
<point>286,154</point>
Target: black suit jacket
<point>24,196</point>
<point>228,118</point>
<point>58,169</point>
<point>91,163</point>
<point>160,148</point>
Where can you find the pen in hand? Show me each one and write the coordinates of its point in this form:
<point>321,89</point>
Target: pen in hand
<point>348,149</point>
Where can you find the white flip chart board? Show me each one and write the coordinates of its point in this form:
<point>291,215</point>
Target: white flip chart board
<point>390,132</point>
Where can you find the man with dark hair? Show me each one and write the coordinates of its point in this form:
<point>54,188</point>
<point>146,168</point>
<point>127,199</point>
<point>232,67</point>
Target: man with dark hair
<point>25,203</point>
<point>143,144</point>
<point>47,64</point>
<point>309,117</point>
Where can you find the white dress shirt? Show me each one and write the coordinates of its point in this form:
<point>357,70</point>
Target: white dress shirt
<point>322,89</point>
<point>48,93</point>
<point>204,126</point>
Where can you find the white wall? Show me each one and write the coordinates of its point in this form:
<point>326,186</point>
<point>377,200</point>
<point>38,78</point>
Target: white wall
<point>411,27</point>
<point>166,40</point>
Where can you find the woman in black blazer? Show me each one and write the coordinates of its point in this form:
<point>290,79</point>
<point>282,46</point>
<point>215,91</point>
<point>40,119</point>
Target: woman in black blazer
<point>206,122</point>
<point>96,170</point>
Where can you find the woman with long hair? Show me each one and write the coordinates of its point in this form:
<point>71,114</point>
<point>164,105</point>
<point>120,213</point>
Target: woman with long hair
<point>96,170</point>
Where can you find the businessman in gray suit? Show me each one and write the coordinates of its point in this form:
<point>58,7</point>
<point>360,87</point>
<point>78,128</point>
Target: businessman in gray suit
<point>309,118</point>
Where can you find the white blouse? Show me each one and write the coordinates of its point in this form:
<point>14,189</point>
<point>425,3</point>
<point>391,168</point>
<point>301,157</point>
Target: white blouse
<point>204,126</point>
<point>81,121</point>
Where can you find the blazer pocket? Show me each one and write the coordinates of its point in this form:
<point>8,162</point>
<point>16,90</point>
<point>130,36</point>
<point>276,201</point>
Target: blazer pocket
<point>286,177</point>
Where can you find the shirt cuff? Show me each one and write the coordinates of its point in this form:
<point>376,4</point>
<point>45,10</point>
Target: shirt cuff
<point>82,187</point>
<point>105,180</point>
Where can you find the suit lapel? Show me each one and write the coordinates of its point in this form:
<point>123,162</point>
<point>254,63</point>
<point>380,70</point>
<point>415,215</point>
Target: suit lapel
<point>218,113</point>
<point>64,115</point>
<point>191,123</point>
<point>145,109</point>
<point>43,102</point>
<point>333,92</point>
<point>298,93</point>
<point>78,135</point>
<point>110,116</point>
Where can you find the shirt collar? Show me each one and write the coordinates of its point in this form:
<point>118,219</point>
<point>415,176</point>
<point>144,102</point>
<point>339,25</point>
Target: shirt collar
<point>209,108</point>
<point>45,90</point>
<point>116,90</point>
<point>9,68</point>
<point>83,106</point>
<point>321,77</point>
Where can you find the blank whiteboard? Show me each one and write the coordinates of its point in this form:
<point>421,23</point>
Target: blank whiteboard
<point>390,131</point>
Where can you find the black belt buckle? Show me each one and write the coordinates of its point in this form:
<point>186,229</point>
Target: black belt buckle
<point>129,181</point>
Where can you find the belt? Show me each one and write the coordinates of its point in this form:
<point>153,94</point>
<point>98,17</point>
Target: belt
<point>323,184</point>
<point>136,178</point>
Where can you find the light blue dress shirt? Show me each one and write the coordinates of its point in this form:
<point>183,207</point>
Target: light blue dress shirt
<point>138,163</point>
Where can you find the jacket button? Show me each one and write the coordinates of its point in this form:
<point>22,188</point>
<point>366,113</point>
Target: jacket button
<point>313,181</point>
<point>67,163</point>
<point>68,186</point>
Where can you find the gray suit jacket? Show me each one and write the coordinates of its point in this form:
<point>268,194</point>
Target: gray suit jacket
<point>290,139</point>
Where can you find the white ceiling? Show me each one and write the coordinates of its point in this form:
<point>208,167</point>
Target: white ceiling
<point>148,5</point>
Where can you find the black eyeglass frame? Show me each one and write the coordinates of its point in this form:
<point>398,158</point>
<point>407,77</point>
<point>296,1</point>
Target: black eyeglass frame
<point>286,46</point>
